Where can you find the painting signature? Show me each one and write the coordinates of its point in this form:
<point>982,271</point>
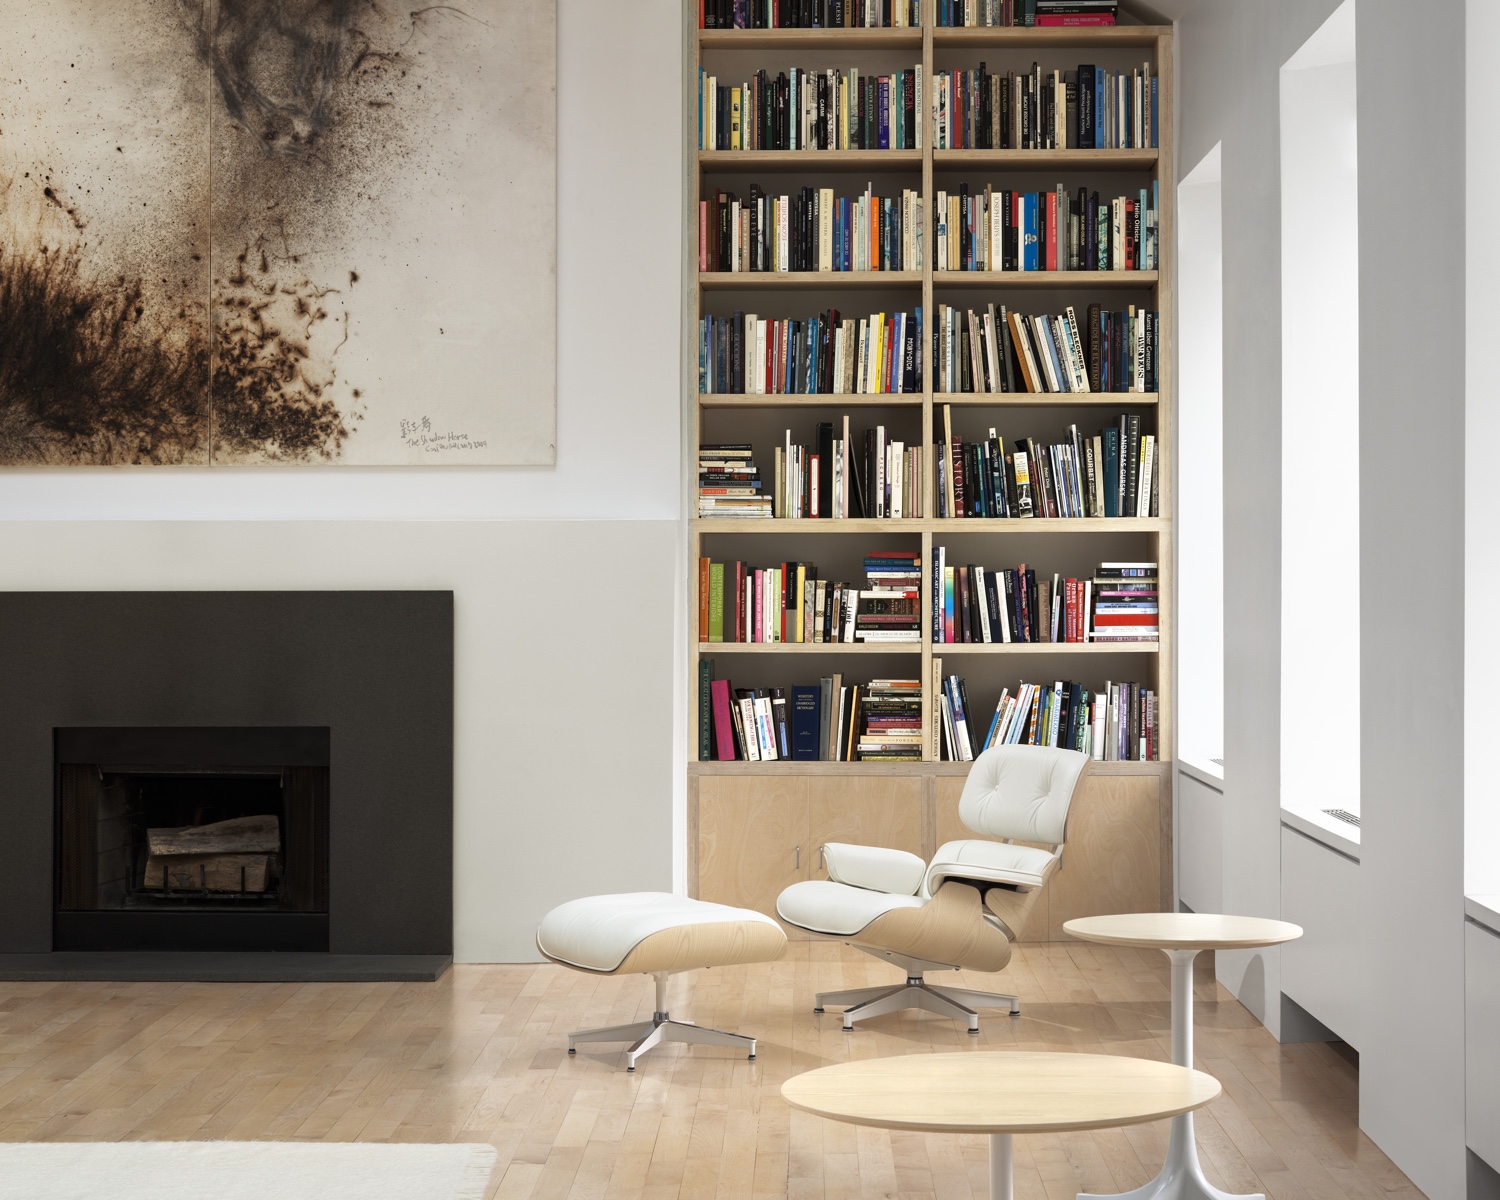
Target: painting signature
<point>419,434</point>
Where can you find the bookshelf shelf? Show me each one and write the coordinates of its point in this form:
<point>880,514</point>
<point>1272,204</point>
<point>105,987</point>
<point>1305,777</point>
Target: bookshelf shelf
<point>810,648</point>
<point>810,39</point>
<point>1037,525</point>
<point>1144,36</point>
<point>1044,279</point>
<point>811,160</point>
<point>916,418</point>
<point>1042,399</point>
<point>823,280</point>
<point>851,525</point>
<point>934,525</point>
<point>943,649</point>
<point>817,400</point>
<point>1041,160</point>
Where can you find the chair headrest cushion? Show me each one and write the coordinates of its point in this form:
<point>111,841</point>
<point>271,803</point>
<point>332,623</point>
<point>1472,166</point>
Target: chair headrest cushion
<point>1021,792</point>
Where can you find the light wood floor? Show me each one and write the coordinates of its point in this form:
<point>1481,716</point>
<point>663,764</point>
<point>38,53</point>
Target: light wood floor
<point>480,1056</point>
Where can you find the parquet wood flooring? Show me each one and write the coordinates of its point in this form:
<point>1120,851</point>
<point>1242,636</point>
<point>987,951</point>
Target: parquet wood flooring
<point>481,1056</point>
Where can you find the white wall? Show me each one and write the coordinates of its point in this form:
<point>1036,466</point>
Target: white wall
<point>568,706</point>
<point>1411,428</point>
<point>1481,435</point>
<point>1412,804</point>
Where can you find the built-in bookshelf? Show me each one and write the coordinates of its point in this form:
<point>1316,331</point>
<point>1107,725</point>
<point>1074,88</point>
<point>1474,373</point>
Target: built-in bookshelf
<point>876,245</point>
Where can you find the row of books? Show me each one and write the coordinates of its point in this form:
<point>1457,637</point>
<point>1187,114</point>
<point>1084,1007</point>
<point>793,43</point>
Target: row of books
<point>870,476</point>
<point>990,13</point>
<point>809,14</point>
<point>1091,108</point>
<point>974,604</point>
<point>836,721</point>
<point>1001,230</point>
<point>811,230</point>
<point>1112,474</point>
<point>993,349</point>
<point>729,483</point>
<point>787,602</point>
<point>826,354</point>
<point>811,110</point>
<point>1117,723</point>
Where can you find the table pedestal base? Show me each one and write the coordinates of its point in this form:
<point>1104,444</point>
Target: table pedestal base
<point>1002,1176</point>
<point>1182,1176</point>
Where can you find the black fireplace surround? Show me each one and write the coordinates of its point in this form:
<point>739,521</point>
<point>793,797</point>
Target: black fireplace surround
<point>333,710</point>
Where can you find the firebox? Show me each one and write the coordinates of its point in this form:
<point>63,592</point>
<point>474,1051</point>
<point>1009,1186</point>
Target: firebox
<point>192,838</point>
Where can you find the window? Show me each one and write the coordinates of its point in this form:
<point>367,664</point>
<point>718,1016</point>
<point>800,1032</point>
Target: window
<point>1320,423</point>
<point>1200,515</point>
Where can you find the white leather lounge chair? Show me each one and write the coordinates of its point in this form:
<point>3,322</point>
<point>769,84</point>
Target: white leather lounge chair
<point>962,910</point>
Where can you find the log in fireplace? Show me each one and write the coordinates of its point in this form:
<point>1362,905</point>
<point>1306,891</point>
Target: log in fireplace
<point>192,839</point>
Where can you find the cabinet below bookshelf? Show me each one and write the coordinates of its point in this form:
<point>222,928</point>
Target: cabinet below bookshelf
<point>754,832</point>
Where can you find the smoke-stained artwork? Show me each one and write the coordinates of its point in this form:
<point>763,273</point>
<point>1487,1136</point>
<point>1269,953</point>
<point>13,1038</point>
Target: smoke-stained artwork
<point>277,231</point>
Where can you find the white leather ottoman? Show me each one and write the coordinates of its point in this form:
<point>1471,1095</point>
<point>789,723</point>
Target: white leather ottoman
<point>657,934</point>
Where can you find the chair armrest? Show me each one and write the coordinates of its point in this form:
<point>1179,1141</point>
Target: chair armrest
<point>977,861</point>
<point>874,867</point>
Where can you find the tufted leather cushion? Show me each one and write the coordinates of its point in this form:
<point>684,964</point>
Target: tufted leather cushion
<point>597,933</point>
<point>989,862</point>
<point>836,908</point>
<point>1021,792</point>
<point>874,867</point>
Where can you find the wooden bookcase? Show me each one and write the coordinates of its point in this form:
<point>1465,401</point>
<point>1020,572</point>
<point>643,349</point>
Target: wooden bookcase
<point>754,828</point>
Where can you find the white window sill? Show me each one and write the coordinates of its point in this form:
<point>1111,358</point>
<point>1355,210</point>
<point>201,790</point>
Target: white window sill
<point>1333,833</point>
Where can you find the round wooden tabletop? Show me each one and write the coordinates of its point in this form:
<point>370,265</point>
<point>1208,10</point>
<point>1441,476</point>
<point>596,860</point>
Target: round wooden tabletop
<point>1000,1092</point>
<point>1183,931</point>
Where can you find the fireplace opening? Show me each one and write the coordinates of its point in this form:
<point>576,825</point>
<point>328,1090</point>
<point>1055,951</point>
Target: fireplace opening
<point>192,839</point>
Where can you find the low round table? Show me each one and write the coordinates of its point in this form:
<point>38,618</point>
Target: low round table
<point>1181,936</point>
<point>1000,1093</point>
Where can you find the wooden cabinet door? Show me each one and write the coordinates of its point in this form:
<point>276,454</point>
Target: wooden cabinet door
<point>951,829</point>
<point>749,833</point>
<point>867,810</point>
<point>1112,862</point>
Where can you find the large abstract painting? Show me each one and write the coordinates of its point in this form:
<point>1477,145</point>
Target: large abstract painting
<point>277,231</point>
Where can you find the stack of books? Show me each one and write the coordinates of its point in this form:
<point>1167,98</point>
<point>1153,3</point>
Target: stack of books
<point>974,604</point>
<point>1112,474</point>
<point>742,724</point>
<point>828,353</point>
<point>1000,230</point>
<point>1115,723</point>
<point>955,743</point>
<point>982,13</point>
<point>811,110</point>
<point>787,602</point>
<point>1072,12</point>
<point>808,14</point>
<point>1088,109</point>
<point>890,721</point>
<point>1125,603</point>
<point>728,483</point>
<point>813,230</point>
<point>993,349</point>
<point>890,609</point>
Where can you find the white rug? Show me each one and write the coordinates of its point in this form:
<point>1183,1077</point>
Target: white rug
<point>243,1171</point>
